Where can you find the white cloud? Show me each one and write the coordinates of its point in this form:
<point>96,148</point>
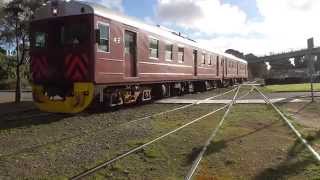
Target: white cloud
<point>284,24</point>
<point>203,15</point>
<point>113,4</point>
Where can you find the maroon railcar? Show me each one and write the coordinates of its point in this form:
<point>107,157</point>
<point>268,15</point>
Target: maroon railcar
<point>84,53</point>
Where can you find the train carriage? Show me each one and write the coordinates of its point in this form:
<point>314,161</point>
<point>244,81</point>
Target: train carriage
<point>83,53</point>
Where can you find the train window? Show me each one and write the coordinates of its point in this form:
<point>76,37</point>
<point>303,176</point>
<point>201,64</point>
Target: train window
<point>180,54</point>
<point>203,59</point>
<point>74,34</point>
<point>168,53</point>
<point>153,48</point>
<point>210,60</point>
<point>40,40</point>
<point>103,43</point>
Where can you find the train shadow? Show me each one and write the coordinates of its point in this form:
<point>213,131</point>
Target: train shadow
<point>25,114</point>
<point>98,109</point>
<point>292,164</point>
<point>11,107</point>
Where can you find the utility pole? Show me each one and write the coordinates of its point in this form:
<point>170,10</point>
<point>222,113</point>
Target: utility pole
<point>311,65</point>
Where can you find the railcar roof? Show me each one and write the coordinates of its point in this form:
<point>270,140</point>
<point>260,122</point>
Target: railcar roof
<point>106,12</point>
<point>103,11</point>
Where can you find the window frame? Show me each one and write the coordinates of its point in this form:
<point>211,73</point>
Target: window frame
<point>210,60</point>
<point>165,51</point>
<point>203,59</point>
<point>158,49</point>
<point>109,35</point>
<point>183,54</point>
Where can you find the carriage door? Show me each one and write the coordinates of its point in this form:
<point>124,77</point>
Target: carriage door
<point>130,39</point>
<point>195,60</point>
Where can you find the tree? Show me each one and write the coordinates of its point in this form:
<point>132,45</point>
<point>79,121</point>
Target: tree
<point>235,53</point>
<point>14,29</point>
<point>2,51</point>
<point>3,72</point>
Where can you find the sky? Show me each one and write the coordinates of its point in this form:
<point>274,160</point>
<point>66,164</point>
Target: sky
<point>250,26</point>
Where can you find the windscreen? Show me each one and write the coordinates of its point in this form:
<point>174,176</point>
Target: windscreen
<point>73,34</point>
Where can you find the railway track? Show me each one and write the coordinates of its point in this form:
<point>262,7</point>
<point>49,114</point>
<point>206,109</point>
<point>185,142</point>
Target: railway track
<point>198,159</point>
<point>161,137</point>
<point>213,134</point>
<point>43,115</point>
<point>291,126</point>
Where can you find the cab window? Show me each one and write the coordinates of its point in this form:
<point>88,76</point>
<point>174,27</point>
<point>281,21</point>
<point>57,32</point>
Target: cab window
<point>74,34</point>
<point>40,39</point>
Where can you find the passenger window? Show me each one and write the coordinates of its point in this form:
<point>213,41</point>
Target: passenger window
<point>203,59</point>
<point>180,54</point>
<point>168,53</point>
<point>154,48</point>
<point>210,60</point>
<point>103,43</point>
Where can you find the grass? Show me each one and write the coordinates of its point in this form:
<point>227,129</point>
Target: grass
<point>258,145</point>
<point>291,88</point>
<point>240,144</point>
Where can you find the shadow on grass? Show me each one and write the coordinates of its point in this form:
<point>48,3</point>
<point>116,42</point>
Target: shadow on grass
<point>292,165</point>
<point>33,119</point>
<point>25,114</point>
<point>11,107</point>
<point>303,108</point>
<point>216,147</point>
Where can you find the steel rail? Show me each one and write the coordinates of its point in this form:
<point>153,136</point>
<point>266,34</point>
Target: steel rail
<point>102,130</point>
<point>182,107</point>
<point>296,132</point>
<point>214,133</point>
<point>100,166</point>
<point>245,95</point>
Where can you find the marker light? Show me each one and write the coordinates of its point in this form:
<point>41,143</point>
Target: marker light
<point>55,11</point>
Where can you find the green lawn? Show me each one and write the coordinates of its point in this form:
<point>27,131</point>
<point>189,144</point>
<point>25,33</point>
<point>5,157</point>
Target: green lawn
<point>291,87</point>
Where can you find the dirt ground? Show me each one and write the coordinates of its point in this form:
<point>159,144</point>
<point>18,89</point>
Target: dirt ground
<point>254,143</point>
<point>306,114</point>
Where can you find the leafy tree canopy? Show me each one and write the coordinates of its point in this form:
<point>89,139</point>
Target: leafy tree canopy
<point>15,17</point>
<point>2,51</point>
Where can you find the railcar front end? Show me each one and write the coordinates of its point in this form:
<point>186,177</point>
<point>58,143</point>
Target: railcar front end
<point>62,58</point>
